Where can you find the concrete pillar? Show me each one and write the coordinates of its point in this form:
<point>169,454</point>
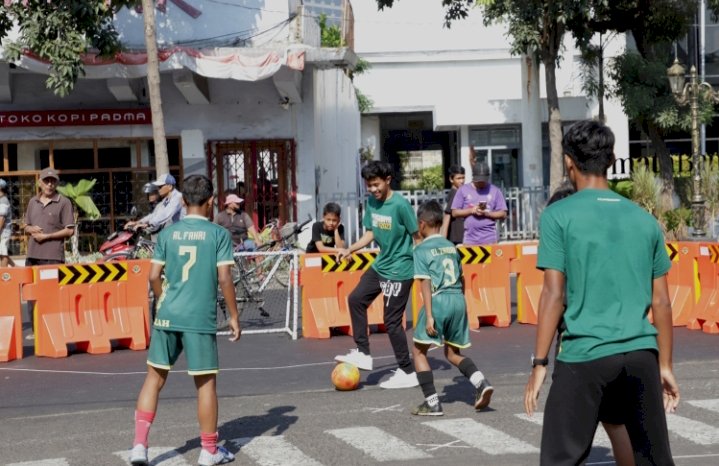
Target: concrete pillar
<point>464,148</point>
<point>194,157</point>
<point>531,157</point>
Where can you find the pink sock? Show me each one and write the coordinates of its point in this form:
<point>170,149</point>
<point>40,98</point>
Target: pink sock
<point>209,442</point>
<point>143,421</point>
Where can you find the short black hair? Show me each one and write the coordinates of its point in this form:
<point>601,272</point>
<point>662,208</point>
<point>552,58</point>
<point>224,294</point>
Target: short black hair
<point>590,144</point>
<point>431,213</point>
<point>455,170</point>
<point>376,169</point>
<point>565,190</point>
<point>332,208</point>
<point>196,190</point>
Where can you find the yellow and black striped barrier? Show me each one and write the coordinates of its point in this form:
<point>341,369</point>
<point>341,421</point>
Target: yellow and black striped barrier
<point>358,261</point>
<point>92,273</point>
<point>475,254</point>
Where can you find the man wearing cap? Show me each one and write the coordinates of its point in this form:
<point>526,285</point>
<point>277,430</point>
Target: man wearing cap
<point>48,220</point>
<point>168,211</point>
<point>481,204</point>
<point>238,223</point>
<point>5,226</point>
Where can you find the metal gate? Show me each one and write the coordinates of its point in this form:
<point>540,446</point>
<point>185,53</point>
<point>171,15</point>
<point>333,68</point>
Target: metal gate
<point>262,172</point>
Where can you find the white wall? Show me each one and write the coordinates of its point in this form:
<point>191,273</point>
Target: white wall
<point>218,21</point>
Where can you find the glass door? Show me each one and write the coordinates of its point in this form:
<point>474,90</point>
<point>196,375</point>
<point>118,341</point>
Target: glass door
<point>503,162</point>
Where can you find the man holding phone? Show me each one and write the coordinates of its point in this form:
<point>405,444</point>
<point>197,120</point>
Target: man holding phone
<point>481,204</point>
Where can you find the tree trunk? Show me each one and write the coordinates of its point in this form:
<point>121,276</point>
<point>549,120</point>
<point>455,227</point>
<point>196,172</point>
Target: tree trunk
<point>666,169</point>
<point>162,164</point>
<point>556,164</point>
<point>600,85</point>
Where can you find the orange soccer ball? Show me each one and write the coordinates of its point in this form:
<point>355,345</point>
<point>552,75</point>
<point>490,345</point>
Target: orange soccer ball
<point>345,377</point>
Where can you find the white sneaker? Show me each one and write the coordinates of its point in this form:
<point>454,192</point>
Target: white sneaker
<point>357,358</point>
<point>221,457</point>
<point>401,379</point>
<point>138,455</point>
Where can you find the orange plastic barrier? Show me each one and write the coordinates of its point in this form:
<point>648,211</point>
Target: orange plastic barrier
<point>89,305</point>
<point>11,282</point>
<point>706,310</point>
<point>529,282</point>
<point>326,286</point>
<point>683,280</point>
<point>486,283</point>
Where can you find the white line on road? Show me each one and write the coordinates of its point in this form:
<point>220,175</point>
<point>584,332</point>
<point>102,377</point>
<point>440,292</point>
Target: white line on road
<point>224,369</point>
<point>273,451</point>
<point>158,456</point>
<point>711,405</point>
<point>600,437</point>
<point>378,444</point>
<point>74,413</point>
<point>679,457</point>
<point>53,462</point>
<point>478,435</point>
<point>694,431</point>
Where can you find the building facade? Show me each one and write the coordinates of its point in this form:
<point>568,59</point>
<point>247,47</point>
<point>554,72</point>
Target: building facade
<point>249,98</point>
<point>449,96</point>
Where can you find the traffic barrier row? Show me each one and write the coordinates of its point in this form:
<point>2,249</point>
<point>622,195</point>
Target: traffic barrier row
<point>693,287</point>
<point>693,283</point>
<point>90,306</point>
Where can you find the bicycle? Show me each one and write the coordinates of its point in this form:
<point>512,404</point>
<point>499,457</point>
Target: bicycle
<point>252,277</point>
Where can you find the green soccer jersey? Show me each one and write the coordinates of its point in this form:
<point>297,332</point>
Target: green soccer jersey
<point>436,259</point>
<point>393,223</point>
<point>609,250</point>
<point>191,250</point>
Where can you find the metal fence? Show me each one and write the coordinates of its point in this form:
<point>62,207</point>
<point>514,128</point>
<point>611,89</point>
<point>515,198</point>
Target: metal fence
<point>524,205</point>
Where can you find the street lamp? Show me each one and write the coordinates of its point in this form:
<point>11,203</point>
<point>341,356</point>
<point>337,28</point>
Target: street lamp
<point>688,93</point>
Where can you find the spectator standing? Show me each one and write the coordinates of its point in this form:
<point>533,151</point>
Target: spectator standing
<point>481,204</point>
<point>48,220</point>
<point>453,227</point>
<point>5,226</point>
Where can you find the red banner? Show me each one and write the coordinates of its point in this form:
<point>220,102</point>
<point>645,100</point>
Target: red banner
<point>97,117</point>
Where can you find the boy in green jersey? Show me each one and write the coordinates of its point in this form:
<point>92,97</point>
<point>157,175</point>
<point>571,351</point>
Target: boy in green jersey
<point>443,319</point>
<point>390,221</point>
<point>608,256</point>
<point>196,256</point>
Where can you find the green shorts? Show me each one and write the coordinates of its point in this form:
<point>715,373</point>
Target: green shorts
<point>200,351</point>
<point>450,321</point>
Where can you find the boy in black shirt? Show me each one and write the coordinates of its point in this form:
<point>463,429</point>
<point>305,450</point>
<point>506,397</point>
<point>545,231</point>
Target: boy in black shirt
<point>329,234</point>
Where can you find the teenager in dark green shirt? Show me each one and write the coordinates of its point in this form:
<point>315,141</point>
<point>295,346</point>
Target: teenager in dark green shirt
<point>390,221</point>
<point>609,256</point>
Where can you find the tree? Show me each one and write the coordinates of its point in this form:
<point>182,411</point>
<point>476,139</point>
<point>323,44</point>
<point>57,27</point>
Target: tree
<point>60,32</point>
<point>639,75</point>
<point>79,194</point>
<point>162,163</point>
<point>534,26</point>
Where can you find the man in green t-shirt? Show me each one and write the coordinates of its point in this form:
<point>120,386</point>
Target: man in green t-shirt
<point>390,221</point>
<point>196,256</point>
<point>608,255</point>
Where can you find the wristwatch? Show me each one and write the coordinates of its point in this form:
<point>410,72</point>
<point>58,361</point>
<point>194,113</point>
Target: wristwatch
<point>538,361</point>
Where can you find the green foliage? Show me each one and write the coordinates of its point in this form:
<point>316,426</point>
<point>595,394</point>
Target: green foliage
<point>675,222</point>
<point>79,194</point>
<point>330,35</point>
<point>432,179</point>
<point>60,32</point>
<point>622,187</point>
<point>646,190</point>
<point>364,103</point>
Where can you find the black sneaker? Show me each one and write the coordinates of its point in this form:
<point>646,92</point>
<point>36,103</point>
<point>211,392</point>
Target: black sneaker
<point>426,410</point>
<point>484,395</point>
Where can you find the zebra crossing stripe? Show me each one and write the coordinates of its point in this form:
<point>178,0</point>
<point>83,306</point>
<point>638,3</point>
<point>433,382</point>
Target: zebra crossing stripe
<point>52,462</point>
<point>273,451</point>
<point>378,444</point>
<point>485,438</point>
<point>601,439</point>
<point>711,405</point>
<point>158,456</point>
<point>694,431</point>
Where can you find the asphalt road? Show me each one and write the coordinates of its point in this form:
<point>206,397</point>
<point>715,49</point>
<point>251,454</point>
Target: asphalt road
<point>277,406</point>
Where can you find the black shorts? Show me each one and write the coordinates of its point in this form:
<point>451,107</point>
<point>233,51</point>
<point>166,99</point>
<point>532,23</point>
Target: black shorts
<point>619,389</point>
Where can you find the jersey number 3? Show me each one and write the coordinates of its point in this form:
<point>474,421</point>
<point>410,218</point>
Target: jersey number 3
<point>192,251</point>
<point>449,272</point>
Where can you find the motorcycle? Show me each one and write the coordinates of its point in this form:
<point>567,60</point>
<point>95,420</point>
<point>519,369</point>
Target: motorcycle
<point>127,244</point>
